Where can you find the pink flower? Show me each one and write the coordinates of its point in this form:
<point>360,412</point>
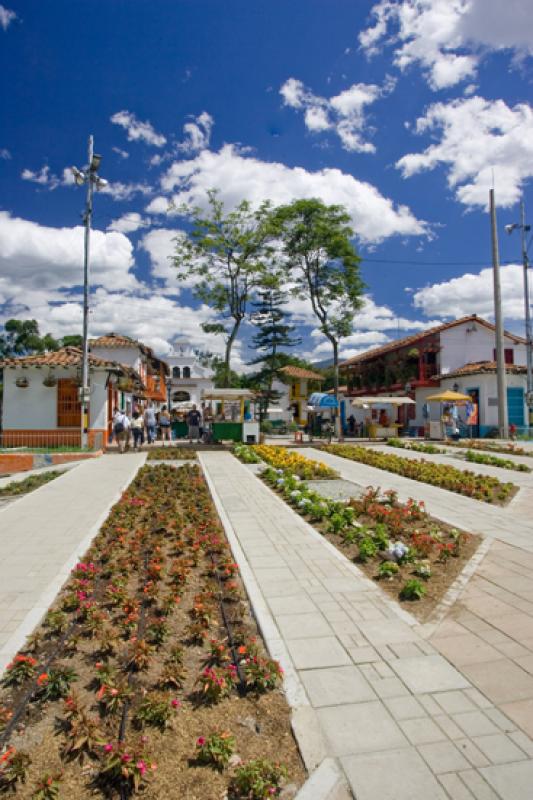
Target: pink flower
<point>200,741</point>
<point>175,703</point>
<point>108,747</point>
<point>126,757</point>
<point>141,766</point>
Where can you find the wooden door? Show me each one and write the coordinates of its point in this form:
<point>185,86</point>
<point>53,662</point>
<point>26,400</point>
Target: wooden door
<point>68,404</point>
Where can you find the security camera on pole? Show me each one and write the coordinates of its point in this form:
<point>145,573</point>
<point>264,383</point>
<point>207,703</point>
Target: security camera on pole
<point>529,337</point>
<point>89,176</point>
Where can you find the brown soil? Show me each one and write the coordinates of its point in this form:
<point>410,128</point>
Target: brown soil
<point>259,723</point>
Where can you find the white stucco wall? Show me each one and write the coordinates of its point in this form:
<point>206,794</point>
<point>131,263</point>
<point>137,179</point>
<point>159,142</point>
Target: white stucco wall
<point>459,347</point>
<point>131,356</point>
<point>35,408</point>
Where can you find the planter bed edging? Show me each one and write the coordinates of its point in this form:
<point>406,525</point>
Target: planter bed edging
<point>326,780</point>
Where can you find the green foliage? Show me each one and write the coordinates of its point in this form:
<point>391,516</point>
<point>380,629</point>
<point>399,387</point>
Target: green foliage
<point>48,786</point>
<point>257,780</point>
<point>215,749</point>
<point>28,484</point>
<point>387,569</point>
<point>367,549</point>
<point>155,710</point>
<point>14,767</point>
<point>22,337</point>
<point>55,684</point>
<point>229,255</point>
<point>412,589</point>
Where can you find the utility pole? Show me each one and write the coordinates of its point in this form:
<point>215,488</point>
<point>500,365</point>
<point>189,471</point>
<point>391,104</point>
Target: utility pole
<point>527,309</point>
<point>529,341</point>
<point>88,175</point>
<point>498,321</point>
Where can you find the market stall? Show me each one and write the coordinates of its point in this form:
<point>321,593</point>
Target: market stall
<point>232,416</point>
<point>321,408</point>
<point>381,426</point>
<point>448,401</point>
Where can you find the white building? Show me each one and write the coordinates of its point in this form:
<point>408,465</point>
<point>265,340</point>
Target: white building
<point>188,377</point>
<point>41,404</point>
<point>459,353</point>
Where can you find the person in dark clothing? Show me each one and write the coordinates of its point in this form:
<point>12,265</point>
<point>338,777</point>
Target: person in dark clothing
<point>194,420</point>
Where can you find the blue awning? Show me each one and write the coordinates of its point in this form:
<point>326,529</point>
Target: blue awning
<point>322,400</point>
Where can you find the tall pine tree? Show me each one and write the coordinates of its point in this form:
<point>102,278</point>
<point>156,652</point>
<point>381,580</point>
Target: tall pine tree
<point>274,332</point>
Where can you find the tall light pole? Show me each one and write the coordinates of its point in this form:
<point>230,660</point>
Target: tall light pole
<point>501,375</point>
<point>89,175</point>
<point>524,229</point>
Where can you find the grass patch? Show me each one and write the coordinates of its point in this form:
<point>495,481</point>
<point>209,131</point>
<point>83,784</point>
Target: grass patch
<point>28,484</point>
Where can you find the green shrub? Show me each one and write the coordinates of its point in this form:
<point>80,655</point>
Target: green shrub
<point>413,589</point>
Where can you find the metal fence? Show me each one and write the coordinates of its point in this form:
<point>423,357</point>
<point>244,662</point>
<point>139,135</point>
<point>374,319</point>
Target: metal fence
<point>48,440</point>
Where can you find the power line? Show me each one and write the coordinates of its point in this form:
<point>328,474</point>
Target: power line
<point>428,263</point>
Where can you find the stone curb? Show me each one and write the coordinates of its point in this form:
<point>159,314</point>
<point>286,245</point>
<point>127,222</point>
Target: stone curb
<point>326,780</point>
<point>45,600</point>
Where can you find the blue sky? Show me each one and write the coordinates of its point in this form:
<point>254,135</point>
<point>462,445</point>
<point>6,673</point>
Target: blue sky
<point>403,110</point>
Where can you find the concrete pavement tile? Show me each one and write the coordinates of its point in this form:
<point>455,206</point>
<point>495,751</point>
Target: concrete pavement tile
<point>316,653</point>
<point>387,632</point>
<point>502,681</point>
<point>389,687</point>
<point>472,753</point>
<point>526,663</point>
<point>363,655</point>
<point>455,787</point>
<point>499,719</point>
<point>516,625</point>
<point>360,728</point>
<point>523,741</point>
<point>392,775</point>
<point>477,785</point>
<point>499,748</point>
<point>511,781</point>
<point>448,726</point>
<point>293,604</point>
<point>521,712</point>
<point>303,626</point>
<point>454,702</point>
<point>428,674</point>
<point>422,731</point>
<point>467,649</point>
<point>477,698</point>
<point>475,723</point>
<point>335,686</point>
<point>403,708</point>
<point>443,757</point>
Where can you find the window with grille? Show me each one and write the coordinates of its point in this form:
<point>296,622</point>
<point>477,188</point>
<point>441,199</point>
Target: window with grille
<point>68,404</point>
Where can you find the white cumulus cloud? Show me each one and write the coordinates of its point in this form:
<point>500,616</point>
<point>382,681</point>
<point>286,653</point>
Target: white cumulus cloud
<point>477,139</point>
<point>473,293</point>
<point>197,133</point>
<point>137,130</point>
<point>343,114</point>
<point>129,223</point>
<point>6,17</point>
<point>238,175</point>
<point>447,38</point>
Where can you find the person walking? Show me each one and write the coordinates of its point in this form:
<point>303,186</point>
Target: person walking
<point>164,424</point>
<point>150,423</point>
<point>121,429</point>
<point>194,420</point>
<point>137,429</point>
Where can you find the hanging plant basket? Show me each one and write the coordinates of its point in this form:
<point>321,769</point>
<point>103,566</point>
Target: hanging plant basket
<point>50,381</point>
<point>124,384</point>
<point>22,383</point>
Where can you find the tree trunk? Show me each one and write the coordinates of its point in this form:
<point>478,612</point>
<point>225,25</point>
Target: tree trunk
<point>338,424</point>
<point>227,355</point>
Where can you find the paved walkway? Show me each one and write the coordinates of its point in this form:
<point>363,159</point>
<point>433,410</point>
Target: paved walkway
<point>44,533</point>
<point>402,721</point>
<point>510,524</point>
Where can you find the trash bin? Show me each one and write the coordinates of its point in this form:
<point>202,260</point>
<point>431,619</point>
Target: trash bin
<point>250,438</point>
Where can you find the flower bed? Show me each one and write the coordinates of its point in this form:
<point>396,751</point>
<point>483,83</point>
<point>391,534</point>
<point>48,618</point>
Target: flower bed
<point>171,454</point>
<point>285,459</point>
<point>245,454</point>
<point>28,484</point>
<point>418,447</point>
<point>147,674</point>
<point>510,449</point>
<point>494,461</point>
<point>413,556</point>
<point>479,487</point>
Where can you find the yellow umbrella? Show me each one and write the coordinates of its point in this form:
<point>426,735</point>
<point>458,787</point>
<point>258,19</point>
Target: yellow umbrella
<point>449,397</point>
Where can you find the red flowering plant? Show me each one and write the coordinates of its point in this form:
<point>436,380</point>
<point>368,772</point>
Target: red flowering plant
<point>126,764</point>
<point>19,670</point>
<point>48,786</point>
<point>215,684</point>
<point>112,698</point>
<point>261,674</point>
<point>215,749</point>
<point>219,654</point>
<point>14,766</point>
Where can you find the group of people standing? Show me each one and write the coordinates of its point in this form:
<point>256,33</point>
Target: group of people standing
<point>151,424</point>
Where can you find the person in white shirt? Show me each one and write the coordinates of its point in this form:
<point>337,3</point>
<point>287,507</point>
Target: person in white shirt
<point>121,429</point>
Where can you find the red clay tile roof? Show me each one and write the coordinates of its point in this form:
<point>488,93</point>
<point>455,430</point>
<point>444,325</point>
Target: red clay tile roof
<point>479,367</point>
<point>110,340</point>
<point>68,357</point>
<point>416,337</point>
<point>300,372</point>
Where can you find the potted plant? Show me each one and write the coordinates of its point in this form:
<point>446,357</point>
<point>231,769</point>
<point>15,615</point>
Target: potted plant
<point>22,382</point>
<point>50,381</point>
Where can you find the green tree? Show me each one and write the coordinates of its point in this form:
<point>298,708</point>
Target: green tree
<point>21,337</point>
<point>273,333</point>
<point>323,266</point>
<point>72,340</point>
<point>228,253</point>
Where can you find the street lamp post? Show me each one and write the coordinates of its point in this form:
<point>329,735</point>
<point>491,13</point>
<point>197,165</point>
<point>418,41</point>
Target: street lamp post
<point>524,229</point>
<point>89,175</point>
